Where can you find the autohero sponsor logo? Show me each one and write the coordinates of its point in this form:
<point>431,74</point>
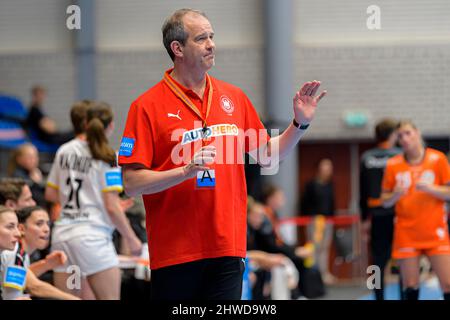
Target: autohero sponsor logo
<point>113,178</point>
<point>216,130</point>
<point>230,143</point>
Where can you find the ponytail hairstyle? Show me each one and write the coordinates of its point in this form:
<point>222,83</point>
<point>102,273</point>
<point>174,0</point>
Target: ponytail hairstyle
<point>78,115</point>
<point>99,117</point>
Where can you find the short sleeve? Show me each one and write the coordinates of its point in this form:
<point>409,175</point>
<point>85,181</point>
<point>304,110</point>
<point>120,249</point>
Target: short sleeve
<point>255,133</point>
<point>7,260</point>
<point>444,170</point>
<point>136,145</point>
<point>388,183</point>
<point>3,266</point>
<point>53,177</point>
<point>111,178</point>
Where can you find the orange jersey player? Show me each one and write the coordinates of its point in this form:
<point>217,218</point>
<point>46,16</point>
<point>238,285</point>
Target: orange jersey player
<point>418,183</point>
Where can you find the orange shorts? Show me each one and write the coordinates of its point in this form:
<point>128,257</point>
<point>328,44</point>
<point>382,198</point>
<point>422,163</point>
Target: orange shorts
<point>410,252</point>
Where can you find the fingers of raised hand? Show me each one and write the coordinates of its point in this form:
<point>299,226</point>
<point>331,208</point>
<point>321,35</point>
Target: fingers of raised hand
<point>322,94</point>
<point>304,89</point>
<point>311,88</point>
<point>315,87</point>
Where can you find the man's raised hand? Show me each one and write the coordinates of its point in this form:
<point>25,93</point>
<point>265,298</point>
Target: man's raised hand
<point>305,102</point>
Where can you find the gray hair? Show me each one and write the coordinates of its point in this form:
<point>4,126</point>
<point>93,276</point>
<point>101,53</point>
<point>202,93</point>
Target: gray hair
<point>173,29</point>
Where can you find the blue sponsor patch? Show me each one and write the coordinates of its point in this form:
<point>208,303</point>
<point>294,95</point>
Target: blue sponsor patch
<point>15,277</point>
<point>126,147</point>
<point>113,178</point>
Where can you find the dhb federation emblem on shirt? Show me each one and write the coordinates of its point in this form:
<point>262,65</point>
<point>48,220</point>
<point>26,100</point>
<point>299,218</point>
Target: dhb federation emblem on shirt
<point>226,104</point>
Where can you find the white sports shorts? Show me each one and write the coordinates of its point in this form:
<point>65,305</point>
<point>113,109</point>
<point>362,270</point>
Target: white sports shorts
<point>92,254</point>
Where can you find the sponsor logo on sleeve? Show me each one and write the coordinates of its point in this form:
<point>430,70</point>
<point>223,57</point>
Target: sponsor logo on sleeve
<point>113,178</point>
<point>15,277</point>
<point>126,147</point>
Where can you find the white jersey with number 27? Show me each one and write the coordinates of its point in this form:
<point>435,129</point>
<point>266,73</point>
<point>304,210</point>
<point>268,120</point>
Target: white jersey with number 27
<point>80,181</point>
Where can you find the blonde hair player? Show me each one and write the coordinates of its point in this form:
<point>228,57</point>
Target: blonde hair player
<point>15,272</point>
<point>417,182</point>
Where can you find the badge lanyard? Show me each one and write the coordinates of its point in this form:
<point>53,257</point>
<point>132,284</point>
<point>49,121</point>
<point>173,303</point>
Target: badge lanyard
<point>204,179</point>
<point>188,102</point>
<point>20,255</point>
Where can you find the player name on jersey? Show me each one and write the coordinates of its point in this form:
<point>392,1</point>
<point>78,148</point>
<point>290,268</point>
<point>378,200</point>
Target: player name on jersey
<point>71,161</point>
<point>74,215</point>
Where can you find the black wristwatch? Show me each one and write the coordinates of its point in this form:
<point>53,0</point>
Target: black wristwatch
<point>300,126</point>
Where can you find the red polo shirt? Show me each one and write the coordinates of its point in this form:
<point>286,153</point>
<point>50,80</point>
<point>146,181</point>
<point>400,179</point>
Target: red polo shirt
<point>186,223</point>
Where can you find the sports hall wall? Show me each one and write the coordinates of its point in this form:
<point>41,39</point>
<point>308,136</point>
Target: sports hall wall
<point>402,69</point>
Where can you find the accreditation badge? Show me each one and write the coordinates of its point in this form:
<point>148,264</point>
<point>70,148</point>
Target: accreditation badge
<point>15,277</point>
<point>206,179</point>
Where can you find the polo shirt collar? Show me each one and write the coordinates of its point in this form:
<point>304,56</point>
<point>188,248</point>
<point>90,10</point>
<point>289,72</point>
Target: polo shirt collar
<point>187,91</point>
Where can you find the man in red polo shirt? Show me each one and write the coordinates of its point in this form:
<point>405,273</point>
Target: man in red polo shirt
<point>182,149</point>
